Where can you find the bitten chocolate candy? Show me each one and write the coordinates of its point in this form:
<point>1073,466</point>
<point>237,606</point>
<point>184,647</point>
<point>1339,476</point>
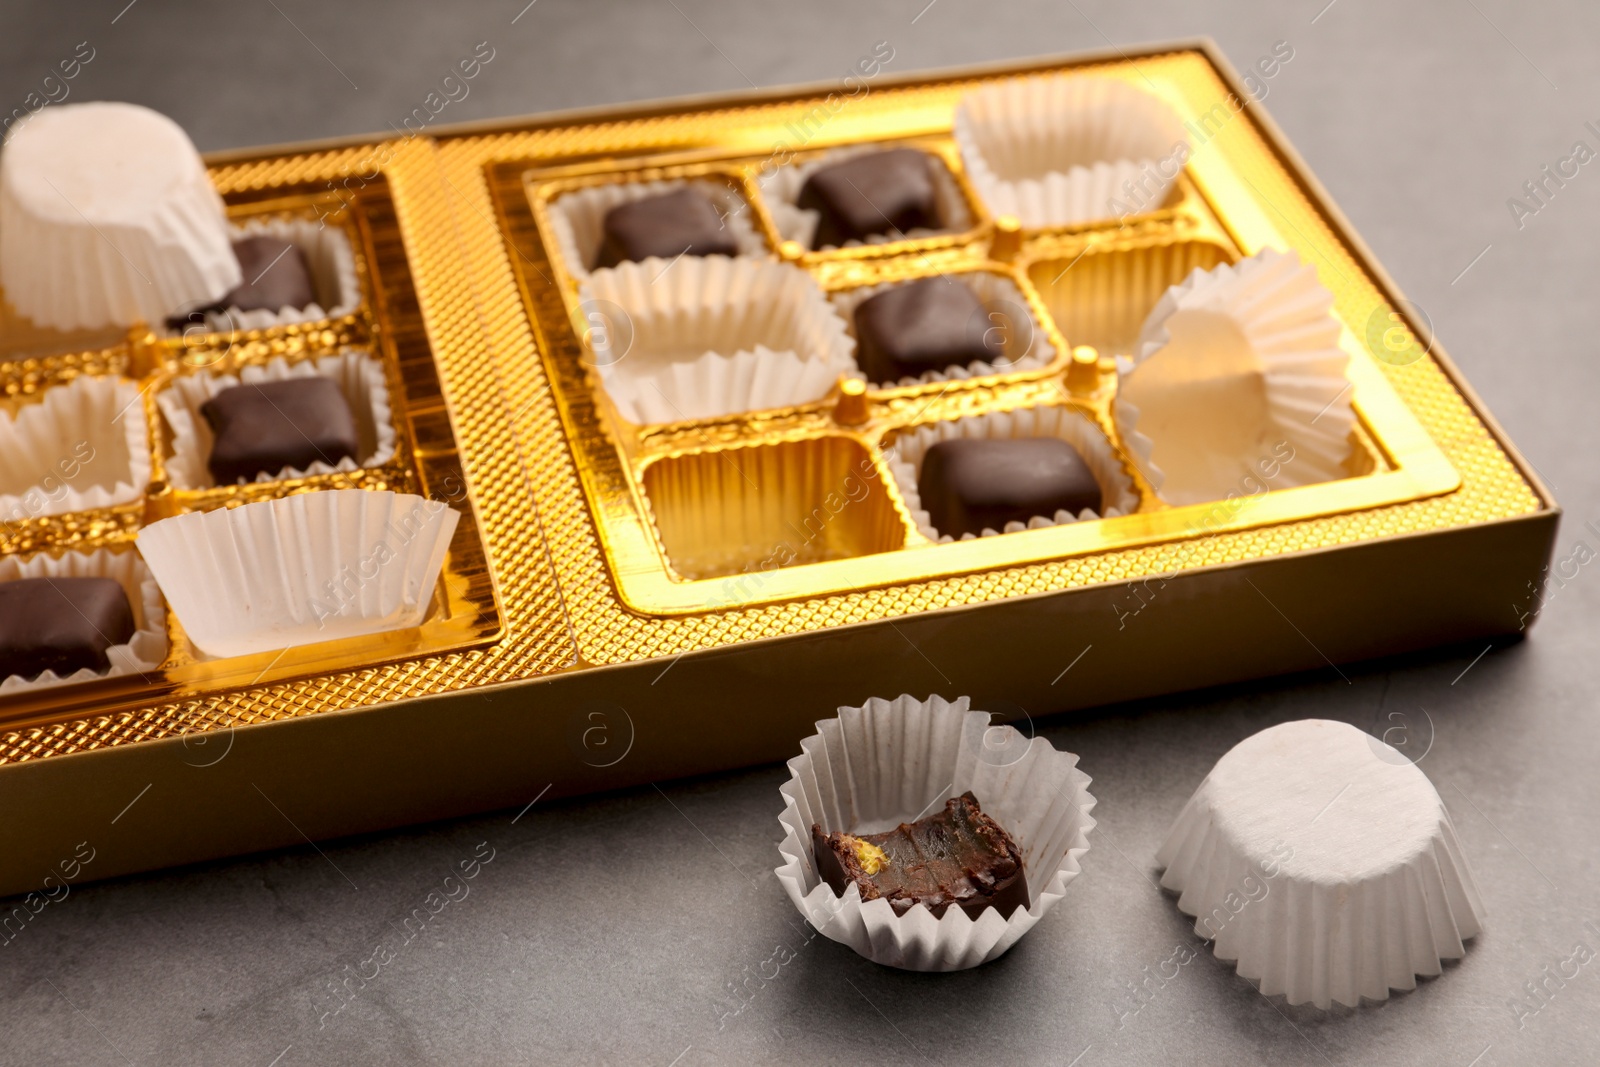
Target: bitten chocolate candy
<point>926,325</point>
<point>956,856</point>
<point>969,485</point>
<point>261,429</point>
<point>61,625</point>
<point>880,192</point>
<point>684,221</point>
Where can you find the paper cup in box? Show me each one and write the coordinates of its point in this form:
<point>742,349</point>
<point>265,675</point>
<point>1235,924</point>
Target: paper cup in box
<point>330,261</point>
<point>1060,150</point>
<point>82,445</point>
<point>301,569</point>
<point>1118,495</point>
<point>1238,367</point>
<point>781,188</point>
<point>702,337</point>
<point>889,762</point>
<point>1005,310</point>
<point>108,218</point>
<point>358,375</point>
<point>1323,862</point>
<point>143,652</point>
<point>578,218</point>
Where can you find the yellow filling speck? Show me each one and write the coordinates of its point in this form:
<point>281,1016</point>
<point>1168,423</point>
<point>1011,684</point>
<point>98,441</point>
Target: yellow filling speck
<point>870,856</point>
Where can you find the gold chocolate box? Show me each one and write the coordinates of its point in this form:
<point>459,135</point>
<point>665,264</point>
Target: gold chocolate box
<point>631,600</point>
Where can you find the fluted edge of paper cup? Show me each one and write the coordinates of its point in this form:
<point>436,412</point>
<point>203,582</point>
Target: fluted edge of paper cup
<point>140,654</point>
<point>1320,940</point>
<point>102,415</point>
<point>577,219</point>
<point>1100,131</point>
<point>890,761</point>
<point>61,271</point>
<point>766,333</point>
<point>992,290</point>
<point>780,188</point>
<point>1283,310</point>
<point>330,260</point>
<point>301,569</point>
<point>359,377</point>
<point>905,463</point>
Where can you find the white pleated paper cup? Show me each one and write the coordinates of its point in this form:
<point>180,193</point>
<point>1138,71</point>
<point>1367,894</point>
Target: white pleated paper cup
<point>1237,371</point>
<point>781,186</point>
<point>329,259</point>
<point>140,654</point>
<point>708,336</point>
<point>1324,864</point>
<point>311,567</point>
<point>1116,488</point>
<point>82,445</point>
<point>1056,150</point>
<point>889,762</point>
<point>578,218</point>
<point>108,218</point>
<point>1006,312</point>
<point>358,375</point>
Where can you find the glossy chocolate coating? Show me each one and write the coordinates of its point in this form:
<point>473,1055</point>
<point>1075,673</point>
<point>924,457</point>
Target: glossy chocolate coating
<point>275,276</point>
<point>684,221</point>
<point>969,485</point>
<point>925,325</point>
<point>261,429</point>
<point>889,192</point>
<point>61,625</point>
<point>956,856</point>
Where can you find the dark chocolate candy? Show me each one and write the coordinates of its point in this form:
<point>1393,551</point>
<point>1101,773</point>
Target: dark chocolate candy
<point>61,625</point>
<point>684,221</point>
<point>888,192</point>
<point>956,856</point>
<point>969,485</point>
<point>930,324</point>
<point>261,429</point>
<point>275,277</point>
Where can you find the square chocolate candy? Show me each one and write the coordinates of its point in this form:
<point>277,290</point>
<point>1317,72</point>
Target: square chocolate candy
<point>265,427</point>
<point>61,624</point>
<point>927,325</point>
<point>682,222</point>
<point>890,192</point>
<point>969,485</point>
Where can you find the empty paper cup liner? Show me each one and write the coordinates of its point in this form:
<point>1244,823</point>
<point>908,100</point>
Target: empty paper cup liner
<point>889,762</point>
<point>1061,150</point>
<point>1238,370</point>
<point>142,653</point>
<point>359,377</point>
<point>1323,863</point>
<point>81,445</point>
<point>703,337</point>
<point>108,218</point>
<point>305,568</point>
<point>908,449</point>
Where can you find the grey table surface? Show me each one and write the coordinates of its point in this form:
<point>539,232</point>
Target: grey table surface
<point>641,927</point>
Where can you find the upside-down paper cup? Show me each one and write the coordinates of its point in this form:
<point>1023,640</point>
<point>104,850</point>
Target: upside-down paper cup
<point>1116,488</point>
<point>108,218</point>
<point>1322,861</point>
<point>1024,345</point>
<point>889,762</point>
<point>579,217</point>
<point>1057,150</point>
<point>300,569</point>
<point>707,336</point>
<point>141,653</point>
<point>358,375</point>
<point>781,189</point>
<point>82,445</point>
<point>1237,366</point>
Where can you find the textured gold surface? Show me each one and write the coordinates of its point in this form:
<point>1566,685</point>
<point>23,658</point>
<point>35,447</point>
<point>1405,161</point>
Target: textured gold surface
<point>485,292</point>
